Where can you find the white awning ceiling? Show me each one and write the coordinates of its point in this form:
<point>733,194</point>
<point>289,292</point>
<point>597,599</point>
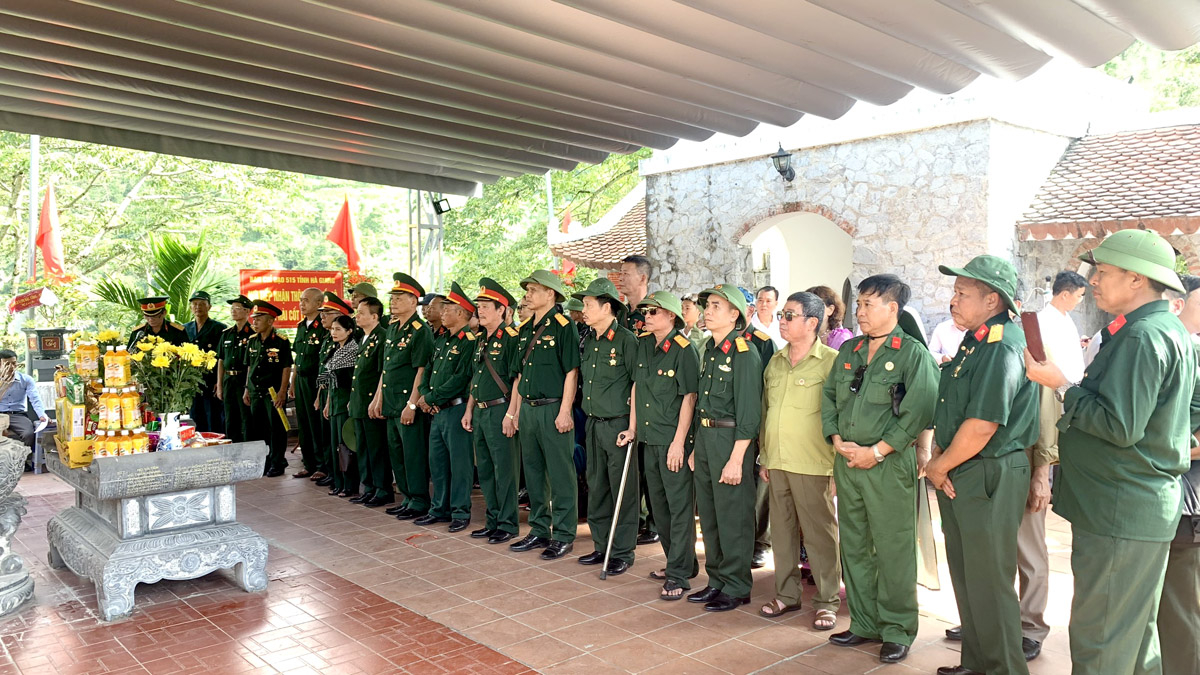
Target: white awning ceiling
<point>442,95</point>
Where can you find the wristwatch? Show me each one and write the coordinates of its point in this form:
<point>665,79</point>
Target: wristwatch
<point>879,456</point>
<point>412,406</point>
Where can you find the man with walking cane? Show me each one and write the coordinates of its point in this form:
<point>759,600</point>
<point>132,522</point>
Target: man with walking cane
<point>606,368</point>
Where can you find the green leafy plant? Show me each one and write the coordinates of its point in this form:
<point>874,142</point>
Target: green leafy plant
<point>178,271</point>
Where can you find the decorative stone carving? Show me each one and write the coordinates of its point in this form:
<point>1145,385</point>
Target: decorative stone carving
<point>126,529</point>
<point>15,584</point>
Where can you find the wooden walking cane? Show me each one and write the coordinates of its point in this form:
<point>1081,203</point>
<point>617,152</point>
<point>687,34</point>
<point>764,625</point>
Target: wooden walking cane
<point>612,531</point>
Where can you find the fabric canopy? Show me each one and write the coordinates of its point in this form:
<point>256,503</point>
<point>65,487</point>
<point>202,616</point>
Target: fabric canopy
<point>442,95</point>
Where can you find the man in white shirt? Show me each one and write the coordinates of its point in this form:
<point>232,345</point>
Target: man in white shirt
<point>763,317</point>
<point>947,336</point>
<point>1059,334</point>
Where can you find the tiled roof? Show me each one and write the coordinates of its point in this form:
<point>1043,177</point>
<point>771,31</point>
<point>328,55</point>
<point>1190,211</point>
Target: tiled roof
<point>607,249</point>
<point>1148,178</point>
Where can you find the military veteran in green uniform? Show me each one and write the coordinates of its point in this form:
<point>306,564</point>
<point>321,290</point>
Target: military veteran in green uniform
<point>408,349</point>
<point>231,368</point>
<point>154,311</point>
<point>879,397</point>
<point>606,369</point>
<point>444,396</point>
<point>307,345</point>
<point>666,378</point>
<point>547,367</point>
<point>370,431</point>
<point>207,410</point>
<point>496,456</point>
<point>268,376</point>
<point>987,415</point>
<point>727,419</point>
<point>1123,444</point>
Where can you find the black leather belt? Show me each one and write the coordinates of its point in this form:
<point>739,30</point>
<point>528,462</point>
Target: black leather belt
<point>482,405</point>
<point>452,402</point>
<point>535,402</point>
<point>14,412</point>
<point>234,372</point>
<point>608,419</point>
<point>719,424</point>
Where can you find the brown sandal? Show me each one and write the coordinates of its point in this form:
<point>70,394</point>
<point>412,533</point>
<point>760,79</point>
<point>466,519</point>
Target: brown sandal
<point>772,610</point>
<point>826,619</point>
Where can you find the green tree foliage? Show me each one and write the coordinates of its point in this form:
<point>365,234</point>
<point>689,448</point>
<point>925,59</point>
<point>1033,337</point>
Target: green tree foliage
<point>1172,78</point>
<point>178,271</point>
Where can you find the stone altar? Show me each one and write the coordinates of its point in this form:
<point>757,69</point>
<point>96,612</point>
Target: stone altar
<point>160,515</point>
<point>15,584</point>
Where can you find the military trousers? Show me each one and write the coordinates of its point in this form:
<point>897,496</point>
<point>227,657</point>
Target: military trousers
<point>672,498</point>
<point>605,466</point>
<point>1118,585</point>
<point>498,462</point>
<point>726,513</point>
<point>308,425</point>
<point>265,424</point>
<point>981,525</point>
<point>1179,610</point>
<point>877,530</point>
<point>347,480</point>
<point>450,465</point>
<point>236,412</point>
<point>374,469</point>
<point>804,503</point>
<point>762,507</point>
<point>646,521</point>
<point>408,454</point>
<point>548,458</point>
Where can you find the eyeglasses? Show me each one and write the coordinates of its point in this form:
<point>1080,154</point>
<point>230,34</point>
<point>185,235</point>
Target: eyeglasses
<point>651,311</point>
<point>789,315</point>
<point>857,382</point>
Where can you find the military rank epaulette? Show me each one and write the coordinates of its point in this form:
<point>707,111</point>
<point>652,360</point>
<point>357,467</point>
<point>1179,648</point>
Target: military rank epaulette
<point>643,333</point>
<point>470,335</point>
<point>681,341</point>
<point>996,334</point>
<point>562,320</point>
<point>522,324</point>
<point>761,335</point>
<point>177,326</point>
<point>741,344</point>
<point>512,332</point>
<point>416,324</point>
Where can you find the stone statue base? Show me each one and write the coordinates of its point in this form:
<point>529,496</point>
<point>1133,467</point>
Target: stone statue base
<point>16,586</point>
<point>169,515</point>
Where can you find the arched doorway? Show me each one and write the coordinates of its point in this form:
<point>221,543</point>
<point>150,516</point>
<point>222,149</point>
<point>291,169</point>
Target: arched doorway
<point>795,251</point>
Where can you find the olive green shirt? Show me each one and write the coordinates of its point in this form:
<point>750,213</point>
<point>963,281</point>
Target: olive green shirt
<point>556,353</point>
<point>449,373</point>
<point>407,347</point>
<point>986,381</point>
<point>606,370</point>
<point>666,372</point>
<point>866,417</point>
<point>1124,430</point>
<point>696,336</point>
<point>265,360</point>
<point>231,350</point>
<point>731,385</point>
<point>497,350</point>
<point>792,438</point>
<point>367,369</point>
<point>307,346</point>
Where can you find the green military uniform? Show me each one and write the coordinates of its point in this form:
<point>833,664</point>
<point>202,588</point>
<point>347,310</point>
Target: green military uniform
<point>171,332</point>
<point>985,380</point>
<point>877,516</point>
<point>765,347</point>
<point>664,374</point>
<point>728,409</point>
<point>267,357</point>
<point>231,352</point>
<point>606,370</point>
<point>445,389</point>
<point>307,345</point>
<point>335,395</point>
<point>547,454</point>
<point>497,459</point>
<point>695,335</point>
<point>207,410</point>
<point>408,348</point>
<point>374,469</point>
<point>1123,445</point>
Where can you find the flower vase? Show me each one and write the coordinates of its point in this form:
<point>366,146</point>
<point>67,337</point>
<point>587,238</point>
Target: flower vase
<point>168,433</point>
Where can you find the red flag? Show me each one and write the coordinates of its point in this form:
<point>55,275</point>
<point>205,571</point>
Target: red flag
<point>50,241</point>
<point>565,226</point>
<point>345,236</point>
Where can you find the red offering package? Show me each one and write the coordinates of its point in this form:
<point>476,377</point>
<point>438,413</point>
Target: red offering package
<point>1033,336</point>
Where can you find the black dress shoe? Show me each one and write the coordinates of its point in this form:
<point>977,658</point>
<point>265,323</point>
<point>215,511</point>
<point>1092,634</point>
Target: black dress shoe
<point>430,519</point>
<point>724,603</point>
<point>459,524</point>
<point>647,538</point>
<point>703,595</point>
<point>1032,648</point>
<point>359,499</point>
<point>396,510</point>
<point>849,639</point>
<point>954,633</point>
<point>759,560</point>
<point>325,482</point>
<point>378,500</point>
<point>593,558</point>
<point>616,567</point>
<point>529,543</point>
<point>482,533</point>
<point>272,473</point>
<point>410,514</point>
<point>956,670</point>
<point>557,549</point>
<point>892,652</point>
<point>335,492</point>
<point>500,536</point>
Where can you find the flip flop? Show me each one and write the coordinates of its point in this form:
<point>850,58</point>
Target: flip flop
<point>772,610</point>
<point>658,576</point>
<point>671,586</point>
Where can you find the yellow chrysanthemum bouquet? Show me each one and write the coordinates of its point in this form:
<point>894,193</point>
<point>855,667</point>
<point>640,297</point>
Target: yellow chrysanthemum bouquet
<point>171,376</point>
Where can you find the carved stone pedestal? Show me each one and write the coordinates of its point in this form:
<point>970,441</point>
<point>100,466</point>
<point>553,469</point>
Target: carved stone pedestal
<point>169,515</point>
<point>16,586</point>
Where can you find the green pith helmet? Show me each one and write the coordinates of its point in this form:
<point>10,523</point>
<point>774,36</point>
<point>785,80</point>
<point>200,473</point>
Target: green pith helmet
<point>667,301</point>
<point>1141,252</point>
<point>996,273</point>
<point>734,295</point>
<point>573,305</point>
<point>549,280</point>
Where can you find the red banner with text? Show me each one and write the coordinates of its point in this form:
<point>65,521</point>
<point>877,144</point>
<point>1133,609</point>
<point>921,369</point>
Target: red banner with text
<point>282,288</point>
